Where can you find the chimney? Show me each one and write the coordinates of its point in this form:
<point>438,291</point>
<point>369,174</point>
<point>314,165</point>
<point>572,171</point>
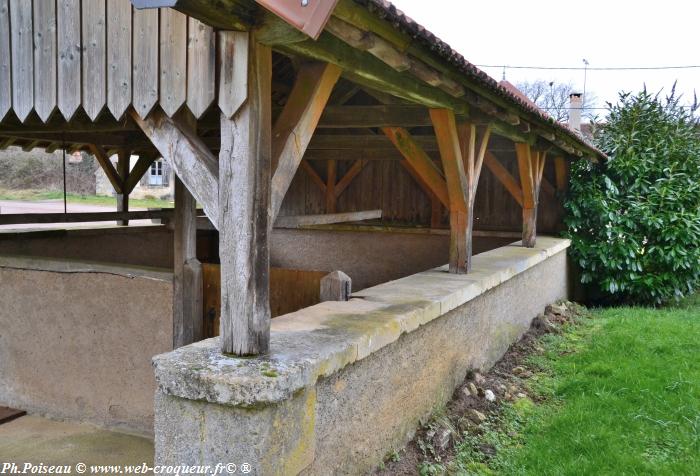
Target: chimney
<point>575,106</point>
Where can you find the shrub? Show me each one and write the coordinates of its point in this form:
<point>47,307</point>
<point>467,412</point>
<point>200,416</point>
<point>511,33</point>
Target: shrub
<point>634,221</point>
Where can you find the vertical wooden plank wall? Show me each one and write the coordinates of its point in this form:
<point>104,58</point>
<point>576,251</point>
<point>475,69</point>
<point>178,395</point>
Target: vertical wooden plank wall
<point>173,60</point>
<point>145,62</point>
<point>45,58</point>
<point>69,84</point>
<point>94,27</point>
<point>99,54</point>
<point>22,57</point>
<point>5,68</point>
<point>201,66</point>
<point>118,57</point>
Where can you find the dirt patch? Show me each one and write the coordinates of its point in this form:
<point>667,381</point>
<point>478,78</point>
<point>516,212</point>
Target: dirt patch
<point>478,399</point>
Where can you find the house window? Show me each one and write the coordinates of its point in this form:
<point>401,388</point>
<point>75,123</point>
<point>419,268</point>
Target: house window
<point>155,177</point>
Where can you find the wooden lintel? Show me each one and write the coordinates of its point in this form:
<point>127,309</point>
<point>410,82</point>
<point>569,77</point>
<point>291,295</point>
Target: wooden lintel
<point>296,124</point>
<point>299,221</point>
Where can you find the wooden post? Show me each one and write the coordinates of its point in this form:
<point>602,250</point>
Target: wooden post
<point>244,203</point>
<point>336,286</point>
<point>531,168</point>
<point>123,160</point>
<point>187,279</point>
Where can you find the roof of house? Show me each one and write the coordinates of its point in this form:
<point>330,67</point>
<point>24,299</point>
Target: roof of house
<point>388,12</point>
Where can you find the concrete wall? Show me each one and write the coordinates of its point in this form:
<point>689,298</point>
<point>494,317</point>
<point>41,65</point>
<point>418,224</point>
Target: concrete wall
<point>139,246</point>
<point>402,384</point>
<point>76,340</point>
<point>345,383</point>
<point>369,258</point>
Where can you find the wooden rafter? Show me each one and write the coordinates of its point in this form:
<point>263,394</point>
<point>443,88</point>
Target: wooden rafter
<point>296,124</point>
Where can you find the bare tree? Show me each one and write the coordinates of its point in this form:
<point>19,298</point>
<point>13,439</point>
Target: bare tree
<point>554,98</point>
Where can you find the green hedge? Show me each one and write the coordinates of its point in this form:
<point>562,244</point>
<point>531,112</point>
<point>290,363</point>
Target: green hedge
<point>634,221</point>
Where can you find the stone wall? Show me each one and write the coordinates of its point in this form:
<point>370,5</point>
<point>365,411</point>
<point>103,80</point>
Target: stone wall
<point>347,382</point>
<point>76,340</point>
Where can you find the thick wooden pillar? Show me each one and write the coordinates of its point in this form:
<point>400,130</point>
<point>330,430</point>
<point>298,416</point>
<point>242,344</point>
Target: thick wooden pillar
<point>530,168</point>
<point>244,203</point>
<point>457,188</point>
<point>462,158</point>
<point>123,159</point>
<point>187,273</point>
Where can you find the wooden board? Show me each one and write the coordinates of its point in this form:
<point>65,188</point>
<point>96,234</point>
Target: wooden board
<point>294,289</point>
<point>69,56</point>
<point>22,57</point>
<point>5,54</point>
<point>290,291</point>
<point>145,64</point>
<point>44,59</point>
<point>201,66</point>
<point>94,42</point>
<point>173,60</point>
<point>118,57</point>
<point>8,414</point>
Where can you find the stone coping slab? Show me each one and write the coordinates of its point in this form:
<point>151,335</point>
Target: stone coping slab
<point>320,340</point>
<point>61,265</point>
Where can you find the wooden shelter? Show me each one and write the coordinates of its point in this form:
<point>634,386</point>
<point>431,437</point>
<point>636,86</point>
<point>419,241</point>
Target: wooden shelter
<point>270,109</point>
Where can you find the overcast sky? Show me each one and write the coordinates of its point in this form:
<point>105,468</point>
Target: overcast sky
<point>608,33</point>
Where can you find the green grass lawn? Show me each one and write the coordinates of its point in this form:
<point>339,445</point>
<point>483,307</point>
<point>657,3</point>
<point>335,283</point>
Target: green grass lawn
<point>621,396</point>
<point>31,195</point>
